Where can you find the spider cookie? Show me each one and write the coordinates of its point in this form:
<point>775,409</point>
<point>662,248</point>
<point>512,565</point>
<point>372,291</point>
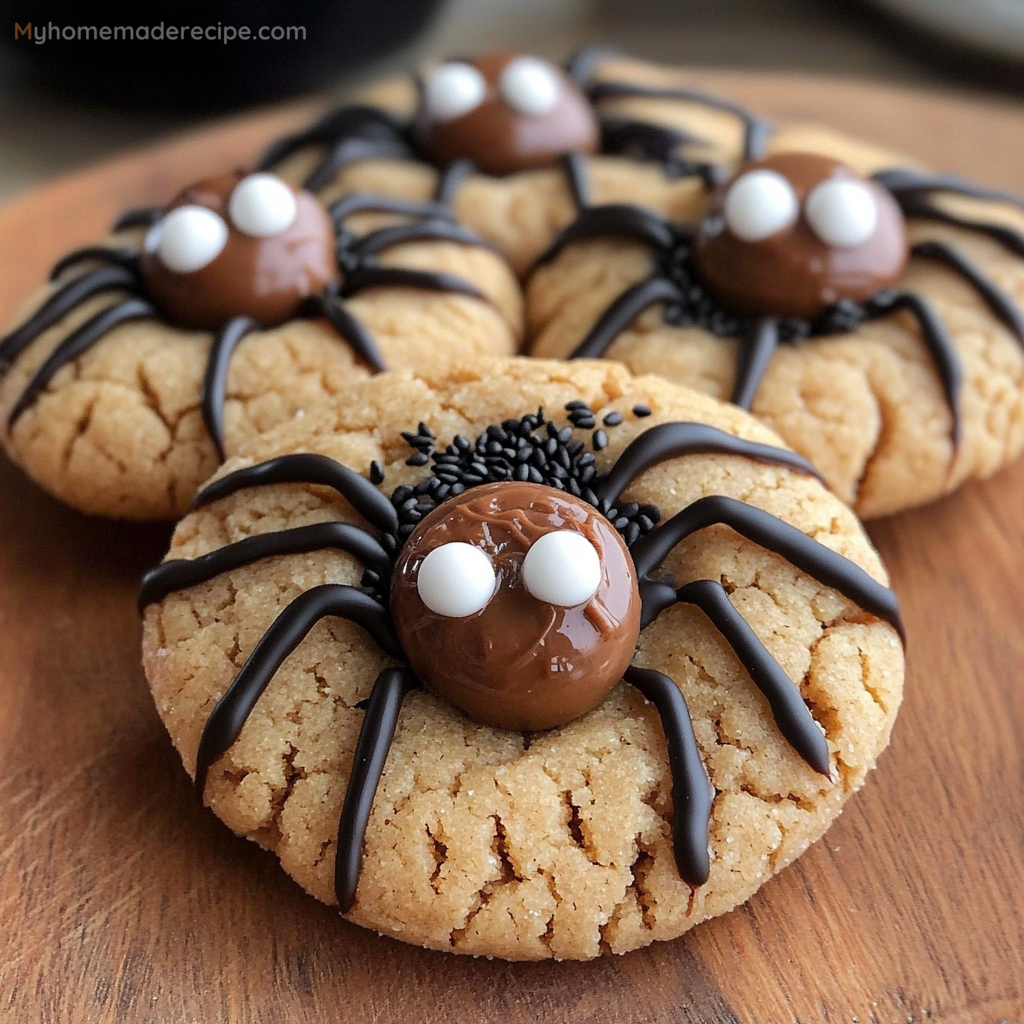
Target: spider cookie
<point>868,313</point>
<point>128,378</point>
<point>526,660</point>
<point>516,145</point>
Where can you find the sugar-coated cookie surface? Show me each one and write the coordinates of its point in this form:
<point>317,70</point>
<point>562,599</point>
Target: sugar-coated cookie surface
<point>185,332</point>
<point>554,843</point>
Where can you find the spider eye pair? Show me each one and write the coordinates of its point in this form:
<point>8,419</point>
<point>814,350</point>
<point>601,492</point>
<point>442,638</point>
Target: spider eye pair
<point>191,237</point>
<point>561,568</point>
<point>528,85</point>
<point>841,212</point>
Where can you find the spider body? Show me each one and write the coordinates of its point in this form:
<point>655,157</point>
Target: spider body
<point>795,246</point>
<point>481,627</point>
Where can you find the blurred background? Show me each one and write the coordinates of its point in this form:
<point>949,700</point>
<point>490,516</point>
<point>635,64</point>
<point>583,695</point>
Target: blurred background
<point>64,104</point>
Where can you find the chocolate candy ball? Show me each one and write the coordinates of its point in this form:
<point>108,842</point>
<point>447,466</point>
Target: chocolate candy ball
<point>506,112</point>
<point>794,233</point>
<point>238,245</point>
<point>517,603</point>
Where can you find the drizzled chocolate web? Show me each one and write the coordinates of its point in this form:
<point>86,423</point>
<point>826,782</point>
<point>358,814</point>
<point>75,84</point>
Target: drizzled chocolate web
<point>530,451</point>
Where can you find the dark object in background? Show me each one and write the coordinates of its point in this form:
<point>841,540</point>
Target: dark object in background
<point>208,74</point>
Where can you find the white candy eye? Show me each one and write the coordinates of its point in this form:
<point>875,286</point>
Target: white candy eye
<point>190,238</point>
<point>842,213</point>
<point>759,204</point>
<point>453,89</point>
<point>529,85</point>
<point>562,568</point>
<point>455,580</point>
<point>262,205</point>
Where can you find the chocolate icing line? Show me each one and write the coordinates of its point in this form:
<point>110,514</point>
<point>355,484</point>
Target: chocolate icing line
<point>901,181</point>
<point>621,220</point>
<point>756,351</point>
<point>305,468</point>
<point>789,711</point>
<point>139,216</point>
<point>436,229</point>
<point>76,343</point>
<point>674,440</point>
<point>449,180</point>
<point>128,259</point>
<point>181,573</point>
<point>59,304</point>
<point>284,634</point>
<point>1009,238</point>
<point>350,133</point>
<point>367,202</point>
<point>578,179</point>
<point>756,131</point>
<point>402,277</point>
<point>622,312</point>
<point>214,389</point>
<point>939,344</point>
<point>1001,305</point>
<point>349,328</point>
<point>375,737</point>
<point>691,789</point>
<point>819,562</point>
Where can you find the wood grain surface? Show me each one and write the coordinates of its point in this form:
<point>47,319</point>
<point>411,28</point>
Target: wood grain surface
<point>121,901</point>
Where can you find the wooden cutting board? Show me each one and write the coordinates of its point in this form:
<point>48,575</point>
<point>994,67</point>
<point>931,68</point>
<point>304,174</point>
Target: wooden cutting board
<point>123,902</point>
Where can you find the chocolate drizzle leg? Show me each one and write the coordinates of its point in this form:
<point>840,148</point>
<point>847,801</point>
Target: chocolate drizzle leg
<point>940,345</point>
<point>691,789</point>
<point>372,747</point>
<point>789,712</point>
<point>303,468</point>
<point>449,180</point>
<point>211,398</point>
<point>74,345</point>
<point>807,554</point>
<point>128,259</point>
<point>58,305</point>
<point>756,131</point>
<point>673,440</point>
<point>995,298</point>
<point>756,351</point>
<point>179,573</point>
<point>286,632</point>
<point>622,312</point>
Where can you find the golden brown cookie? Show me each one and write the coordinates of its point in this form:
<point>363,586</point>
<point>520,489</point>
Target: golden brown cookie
<point>585,835</point>
<point>240,305</point>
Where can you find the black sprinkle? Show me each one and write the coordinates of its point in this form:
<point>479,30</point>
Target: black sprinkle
<point>376,473</point>
<point>641,410</point>
<point>532,449</point>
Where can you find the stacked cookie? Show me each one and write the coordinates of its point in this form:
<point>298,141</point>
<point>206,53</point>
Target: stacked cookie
<point>545,655</point>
